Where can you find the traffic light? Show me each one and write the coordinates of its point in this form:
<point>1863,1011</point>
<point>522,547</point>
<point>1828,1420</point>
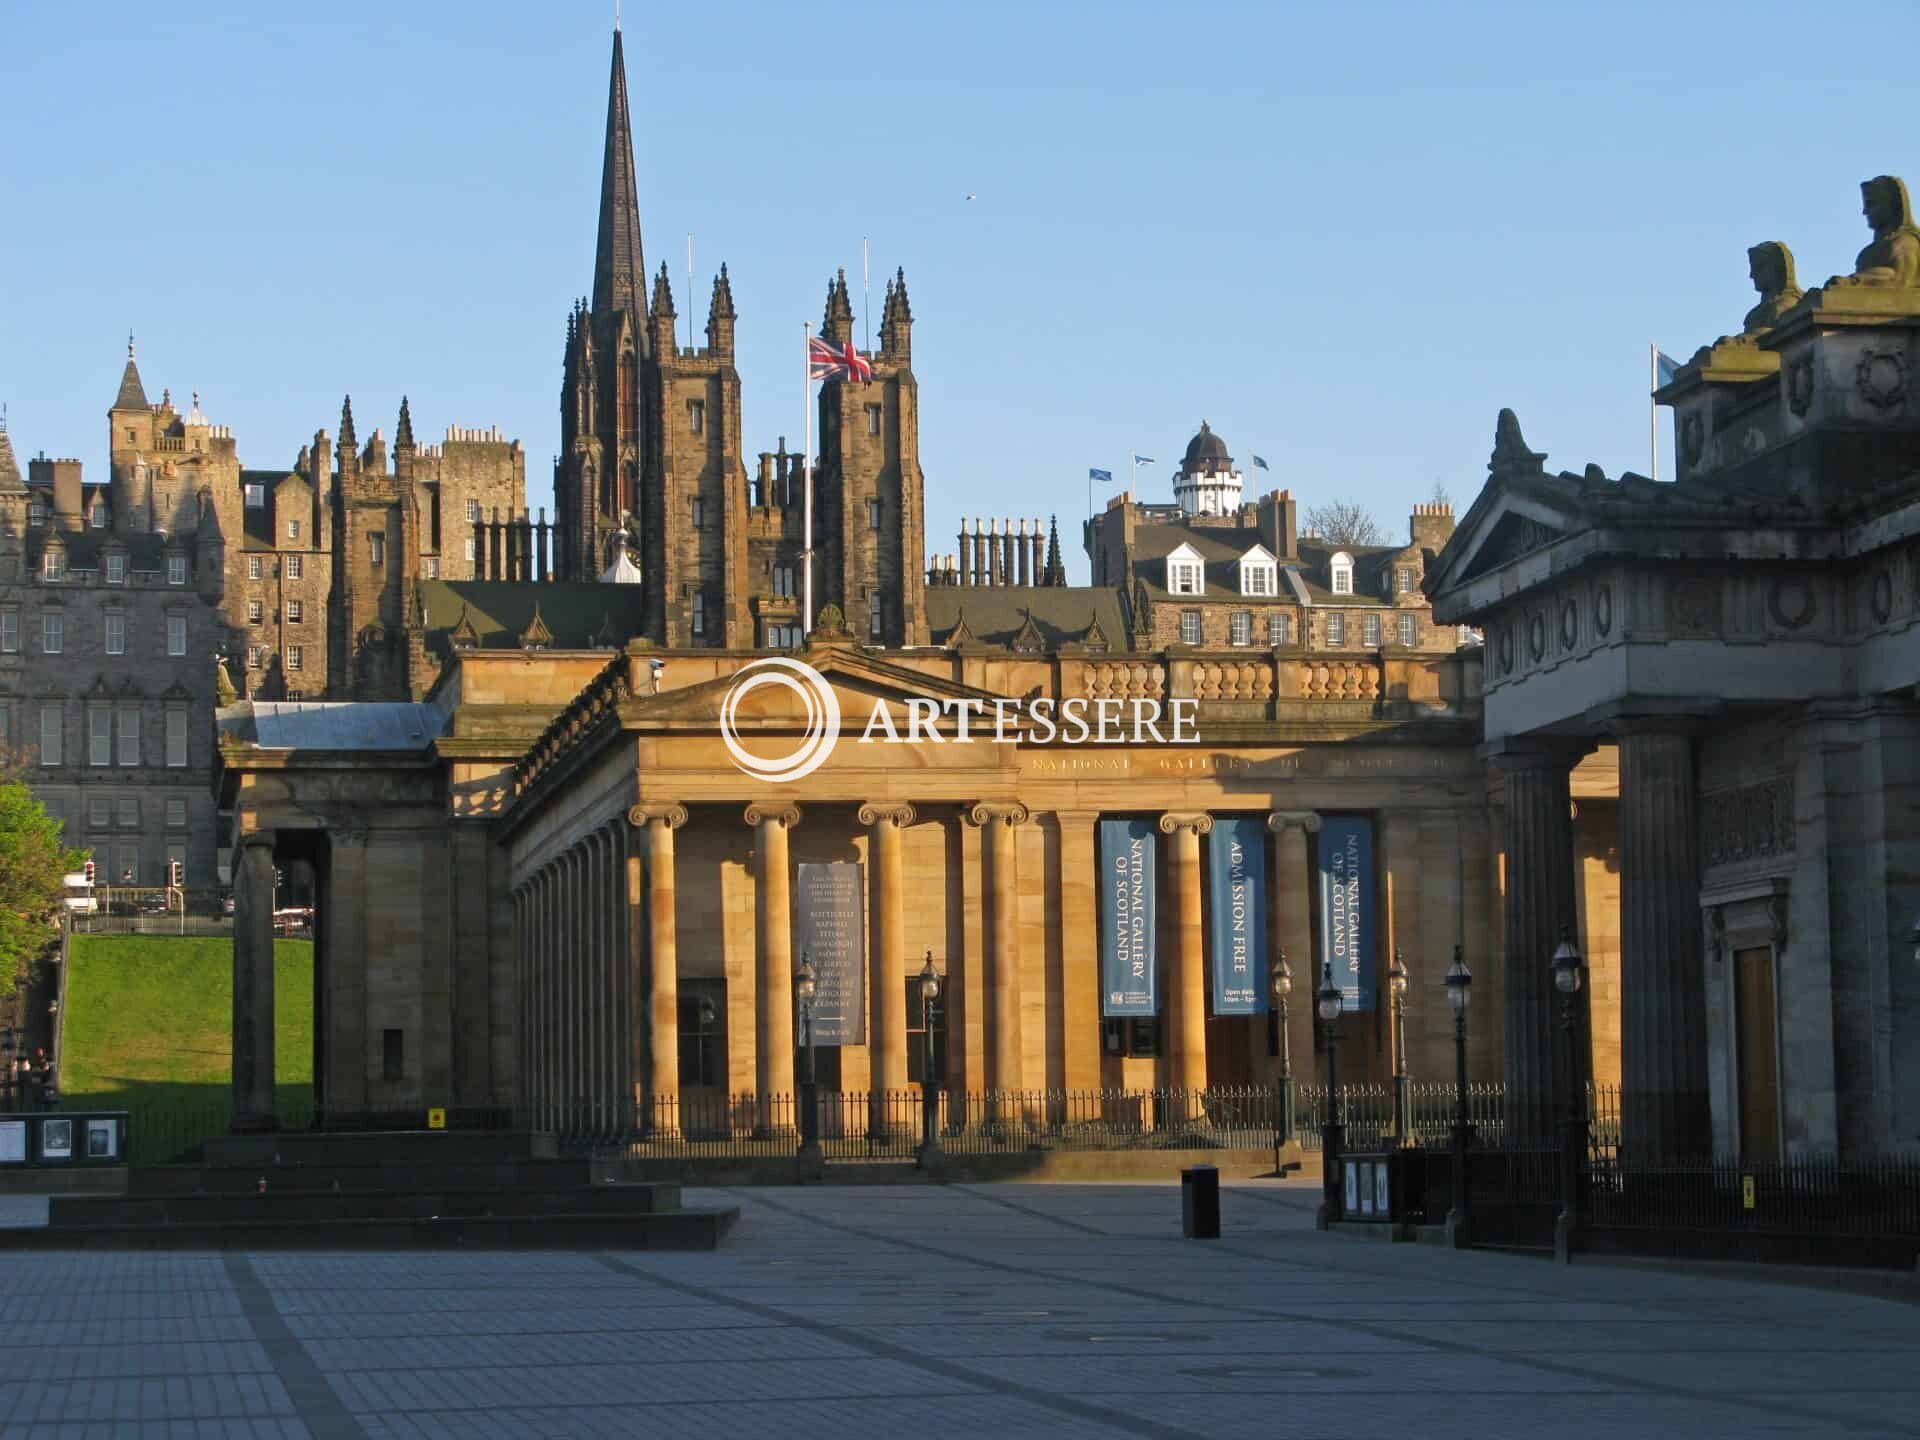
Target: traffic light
<point>174,873</point>
<point>87,869</point>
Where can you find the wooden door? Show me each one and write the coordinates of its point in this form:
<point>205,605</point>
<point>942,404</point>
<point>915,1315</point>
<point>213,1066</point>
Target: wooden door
<point>1758,1054</point>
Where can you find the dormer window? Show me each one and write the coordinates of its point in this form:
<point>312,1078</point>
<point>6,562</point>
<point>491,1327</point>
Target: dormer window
<point>98,517</point>
<point>1259,574</point>
<point>116,568</point>
<point>176,569</point>
<point>53,564</point>
<point>1342,566</point>
<point>36,512</point>
<point>1186,572</point>
<point>256,496</point>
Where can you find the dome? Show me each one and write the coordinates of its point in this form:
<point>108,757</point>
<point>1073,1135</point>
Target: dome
<point>1207,451</point>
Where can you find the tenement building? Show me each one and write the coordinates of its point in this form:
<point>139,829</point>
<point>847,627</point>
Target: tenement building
<point>1748,637</point>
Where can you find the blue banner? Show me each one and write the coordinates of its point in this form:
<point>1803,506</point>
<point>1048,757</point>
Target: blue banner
<point>1346,907</point>
<point>1126,918</point>
<point>830,905</point>
<point>1236,866</point>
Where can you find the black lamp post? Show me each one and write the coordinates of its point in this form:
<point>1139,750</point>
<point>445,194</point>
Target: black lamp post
<point>1573,1135</point>
<point>804,985</point>
<point>1280,982</point>
<point>1397,991</point>
<point>1331,1207</point>
<point>929,1082</point>
<point>1459,984</point>
<point>6,1067</point>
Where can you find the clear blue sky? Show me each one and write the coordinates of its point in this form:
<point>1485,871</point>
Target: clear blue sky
<point>1345,235</point>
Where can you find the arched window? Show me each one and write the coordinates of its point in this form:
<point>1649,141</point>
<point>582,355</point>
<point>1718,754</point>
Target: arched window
<point>1342,566</point>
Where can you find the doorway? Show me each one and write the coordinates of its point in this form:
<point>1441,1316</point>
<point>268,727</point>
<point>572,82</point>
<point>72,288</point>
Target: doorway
<point>1757,1055</point>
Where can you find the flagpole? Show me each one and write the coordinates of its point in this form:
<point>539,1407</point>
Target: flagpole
<point>866,294</point>
<point>806,491</point>
<point>1653,406</point>
<point>689,290</point>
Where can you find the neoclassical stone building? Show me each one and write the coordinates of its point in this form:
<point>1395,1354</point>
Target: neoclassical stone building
<point>1748,637</point>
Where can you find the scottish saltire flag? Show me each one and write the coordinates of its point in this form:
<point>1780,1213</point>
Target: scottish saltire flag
<point>827,361</point>
<point>1145,460</point>
<point>1105,477</point>
<point>1665,366</point>
<point>1260,463</point>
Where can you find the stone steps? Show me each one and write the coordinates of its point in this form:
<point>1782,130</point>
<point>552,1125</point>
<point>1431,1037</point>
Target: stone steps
<point>676,1230</point>
<point>149,1181</point>
<point>294,1206</point>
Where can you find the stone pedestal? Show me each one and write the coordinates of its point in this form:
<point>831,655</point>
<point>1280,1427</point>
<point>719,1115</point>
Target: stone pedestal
<point>773,960</point>
<point>1539,846</point>
<point>253,1102</point>
<point>1187,975</point>
<point>1666,1112</point>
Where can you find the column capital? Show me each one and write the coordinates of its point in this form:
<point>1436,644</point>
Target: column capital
<point>1173,822</point>
<point>673,816</point>
<point>901,814</point>
<point>256,837</point>
<point>782,813</point>
<point>985,812</point>
<point>1282,820</point>
<point>1527,752</point>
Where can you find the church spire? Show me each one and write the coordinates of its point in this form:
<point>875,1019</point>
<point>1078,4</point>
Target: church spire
<point>619,266</point>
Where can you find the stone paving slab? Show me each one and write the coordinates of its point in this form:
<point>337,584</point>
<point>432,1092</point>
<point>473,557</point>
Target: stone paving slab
<point>1003,1310</point>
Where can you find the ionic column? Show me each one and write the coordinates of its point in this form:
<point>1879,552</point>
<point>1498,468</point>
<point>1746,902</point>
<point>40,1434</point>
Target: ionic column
<point>887,966</point>
<point>253,1107</point>
<point>1004,1069</point>
<point>1187,980</point>
<point>1079,1014</point>
<point>1663,1036</point>
<point>773,957</point>
<point>663,958</point>
<point>1539,847</point>
<point>639,1013</point>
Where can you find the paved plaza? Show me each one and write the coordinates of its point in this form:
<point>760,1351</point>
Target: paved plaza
<point>1006,1310</point>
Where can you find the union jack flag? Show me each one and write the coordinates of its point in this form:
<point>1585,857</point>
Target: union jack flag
<point>827,361</point>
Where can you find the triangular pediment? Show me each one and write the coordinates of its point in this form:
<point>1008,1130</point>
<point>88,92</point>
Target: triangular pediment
<point>1514,536</point>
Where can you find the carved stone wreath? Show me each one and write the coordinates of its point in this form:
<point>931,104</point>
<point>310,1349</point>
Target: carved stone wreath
<point>1693,438</point>
<point>1791,603</point>
<point>1569,625</point>
<point>1603,609</point>
<point>1800,385</point>
<point>1882,596</point>
<point>1881,378</point>
<point>1506,649</point>
<point>1537,636</point>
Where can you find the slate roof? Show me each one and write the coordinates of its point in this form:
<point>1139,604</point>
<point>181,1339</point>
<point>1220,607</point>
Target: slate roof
<point>133,395</point>
<point>259,522</point>
<point>580,615</point>
<point>333,725</point>
<point>9,467</point>
<point>1221,546</point>
<point>145,551</point>
<point>995,614</point>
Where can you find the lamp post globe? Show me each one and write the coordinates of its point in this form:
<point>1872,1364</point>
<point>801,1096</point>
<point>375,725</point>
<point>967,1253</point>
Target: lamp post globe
<point>1328,1003</point>
<point>1280,986</point>
<point>1328,996</point>
<point>929,1081</point>
<point>1566,979</point>
<point>1459,983</point>
<point>1397,992</point>
<point>1566,965</point>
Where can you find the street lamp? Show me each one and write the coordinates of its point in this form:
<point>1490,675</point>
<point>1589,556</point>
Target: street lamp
<point>1566,979</point>
<point>804,985</point>
<point>1281,984</point>
<point>1329,1000</point>
<point>929,1082</point>
<point>6,1064</point>
<point>1397,990</point>
<point>1459,981</point>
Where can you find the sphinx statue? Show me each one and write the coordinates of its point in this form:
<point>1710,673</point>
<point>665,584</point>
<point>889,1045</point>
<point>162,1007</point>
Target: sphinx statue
<point>1771,265</point>
<point>1892,259</point>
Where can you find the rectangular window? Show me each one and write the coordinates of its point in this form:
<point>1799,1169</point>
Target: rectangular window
<point>1404,580</point>
<point>783,637</point>
<point>1408,625</point>
<point>876,618</point>
<point>254,655</point>
<point>176,569</point>
<point>296,612</point>
<point>36,513</point>
<point>1277,629</point>
<point>378,544</point>
<point>99,813</point>
<point>296,656</point>
<point>9,632</point>
<point>433,567</point>
<point>52,716</point>
<point>176,635</point>
<point>293,529</point>
<point>1137,1036</point>
<point>699,513</point>
<point>697,416</point>
<point>129,857</point>
<point>116,569</point>
<point>1259,580</point>
<point>393,1055</point>
<point>53,632</point>
<point>873,419</point>
<point>254,568</point>
<point>1242,627</point>
<point>176,813</point>
<point>97,517</point>
<point>1184,578</point>
<point>256,496</point>
<point>1336,629</point>
<point>703,1045</point>
<point>129,735</point>
<point>1370,631</point>
<point>256,612</point>
<point>1189,627</point>
<point>295,567</point>
<point>873,514</point>
<point>783,580</point>
<point>129,812</point>
<point>699,613</point>
<point>176,739</point>
<point>99,735</point>
<point>53,565</point>
<point>116,632</point>
<point>473,512</point>
<point>1342,575</point>
<point>470,550</point>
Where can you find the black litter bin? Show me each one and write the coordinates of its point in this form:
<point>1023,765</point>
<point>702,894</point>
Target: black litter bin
<point>1200,1202</point>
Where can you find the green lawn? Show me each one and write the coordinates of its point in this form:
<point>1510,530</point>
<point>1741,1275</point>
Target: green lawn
<point>148,1029</point>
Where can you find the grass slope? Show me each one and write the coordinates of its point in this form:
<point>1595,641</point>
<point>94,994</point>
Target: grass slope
<point>149,1030</point>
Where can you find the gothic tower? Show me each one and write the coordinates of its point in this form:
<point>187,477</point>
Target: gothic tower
<point>603,423</point>
<point>376,528</point>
